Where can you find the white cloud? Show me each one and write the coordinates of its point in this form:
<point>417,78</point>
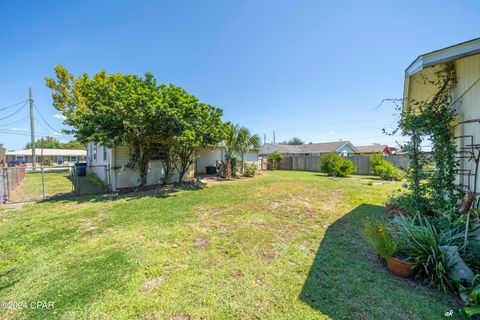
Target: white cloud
<point>18,129</point>
<point>331,133</point>
<point>59,116</point>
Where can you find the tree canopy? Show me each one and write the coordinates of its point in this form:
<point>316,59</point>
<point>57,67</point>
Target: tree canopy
<point>117,109</point>
<point>53,143</point>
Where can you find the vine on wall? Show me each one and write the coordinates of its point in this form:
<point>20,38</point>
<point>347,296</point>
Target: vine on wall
<point>432,119</point>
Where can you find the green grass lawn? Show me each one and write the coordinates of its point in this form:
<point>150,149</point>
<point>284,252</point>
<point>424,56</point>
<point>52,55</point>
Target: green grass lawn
<point>284,245</point>
<point>56,182</point>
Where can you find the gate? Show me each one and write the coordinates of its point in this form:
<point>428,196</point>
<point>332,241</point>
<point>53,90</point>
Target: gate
<point>24,184</point>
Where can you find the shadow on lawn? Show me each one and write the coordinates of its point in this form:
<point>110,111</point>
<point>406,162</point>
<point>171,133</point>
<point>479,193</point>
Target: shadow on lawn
<point>130,194</point>
<point>348,281</point>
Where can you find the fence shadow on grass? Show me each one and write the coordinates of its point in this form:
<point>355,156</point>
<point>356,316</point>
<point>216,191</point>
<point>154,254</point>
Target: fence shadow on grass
<point>153,192</point>
<point>348,281</point>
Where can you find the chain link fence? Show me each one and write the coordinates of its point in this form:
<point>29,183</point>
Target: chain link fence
<point>25,184</point>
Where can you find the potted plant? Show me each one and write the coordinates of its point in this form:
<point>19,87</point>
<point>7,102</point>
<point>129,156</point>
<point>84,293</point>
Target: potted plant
<point>382,241</point>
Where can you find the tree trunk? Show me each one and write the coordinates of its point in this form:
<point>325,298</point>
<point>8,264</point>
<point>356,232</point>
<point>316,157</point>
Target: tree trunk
<point>143,166</point>
<point>243,165</point>
<point>228,168</point>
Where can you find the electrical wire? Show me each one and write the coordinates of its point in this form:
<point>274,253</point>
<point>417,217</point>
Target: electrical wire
<point>4,125</point>
<point>45,121</point>
<point>13,105</point>
<point>14,113</point>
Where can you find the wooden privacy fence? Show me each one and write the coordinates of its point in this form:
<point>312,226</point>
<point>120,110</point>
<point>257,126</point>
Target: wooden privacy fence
<point>362,163</point>
<point>10,178</point>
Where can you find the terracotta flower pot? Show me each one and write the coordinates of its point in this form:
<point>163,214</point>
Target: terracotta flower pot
<point>389,208</point>
<point>400,268</point>
<point>403,212</point>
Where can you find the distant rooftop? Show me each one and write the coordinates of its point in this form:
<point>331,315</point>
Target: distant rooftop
<point>372,148</point>
<point>323,147</point>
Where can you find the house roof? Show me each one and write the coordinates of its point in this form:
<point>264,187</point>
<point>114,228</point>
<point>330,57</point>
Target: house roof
<point>323,147</point>
<point>371,149</point>
<point>48,152</point>
<point>457,51</point>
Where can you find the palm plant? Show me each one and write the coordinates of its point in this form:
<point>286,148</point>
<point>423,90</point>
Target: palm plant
<point>238,140</point>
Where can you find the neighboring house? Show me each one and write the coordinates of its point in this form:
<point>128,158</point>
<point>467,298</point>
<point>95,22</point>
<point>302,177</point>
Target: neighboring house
<point>110,165</point>
<point>466,97</point>
<point>376,148</point>
<point>312,149</point>
<point>57,156</point>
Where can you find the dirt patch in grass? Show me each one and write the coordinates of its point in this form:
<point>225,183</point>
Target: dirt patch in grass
<point>152,284</point>
<point>201,242</point>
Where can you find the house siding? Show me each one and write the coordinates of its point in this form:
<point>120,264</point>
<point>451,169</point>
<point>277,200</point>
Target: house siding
<point>126,177</point>
<point>210,155</point>
<point>468,71</point>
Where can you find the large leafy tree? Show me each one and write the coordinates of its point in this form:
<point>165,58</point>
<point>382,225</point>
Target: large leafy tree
<point>110,110</point>
<point>192,125</point>
<point>152,119</point>
<point>295,141</point>
<point>46,143</point>
<point>53,143</point>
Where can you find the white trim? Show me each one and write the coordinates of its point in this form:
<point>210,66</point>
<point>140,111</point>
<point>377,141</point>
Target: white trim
<point>451,53</point>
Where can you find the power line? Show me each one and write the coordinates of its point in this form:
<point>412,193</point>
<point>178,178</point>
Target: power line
<point>14,113</point>
<point>45,121</point>
<point>335,124</point>
<point>13,105</point>
<point>43,135</point>
<point>14,122</point>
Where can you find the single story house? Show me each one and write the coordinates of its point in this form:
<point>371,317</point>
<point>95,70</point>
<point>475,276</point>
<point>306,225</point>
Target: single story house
<point>465,57</point>
<point>110,165</point>
<point>312,149</point>
<point>376,148</point>
<point>57,156</point>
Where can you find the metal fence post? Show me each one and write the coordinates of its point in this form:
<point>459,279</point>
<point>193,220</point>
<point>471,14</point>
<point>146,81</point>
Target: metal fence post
<point>43,182</point>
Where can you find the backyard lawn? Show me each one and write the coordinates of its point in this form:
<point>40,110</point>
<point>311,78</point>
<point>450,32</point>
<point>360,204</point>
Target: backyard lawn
<point>283,245</point>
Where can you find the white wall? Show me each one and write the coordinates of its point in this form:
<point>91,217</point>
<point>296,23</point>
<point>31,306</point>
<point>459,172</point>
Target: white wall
<point>208,157</point>
<point>126,177</point>
<point>101,164</point>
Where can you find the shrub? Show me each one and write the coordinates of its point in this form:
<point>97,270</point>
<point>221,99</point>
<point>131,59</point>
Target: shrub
<point>385,169</point>
<point>472,305</point>
<point>380,238</point>
<point>421,241</point>
<point>273,159</point>
<point>335,165</point>
<point>249,168</point>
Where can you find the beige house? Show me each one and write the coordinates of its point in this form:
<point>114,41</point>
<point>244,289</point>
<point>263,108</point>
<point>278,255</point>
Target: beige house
<point>466,98</point>
<point>110,165</point>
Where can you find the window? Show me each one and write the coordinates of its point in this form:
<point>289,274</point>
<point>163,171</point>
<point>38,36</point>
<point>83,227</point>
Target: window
<point>94,152</point>
<point>104,153</point>
<point>20,158</point>
<point>73,159</point>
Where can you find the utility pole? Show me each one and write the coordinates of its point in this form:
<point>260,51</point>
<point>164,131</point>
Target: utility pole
<point>32,130</point>
<point>273,136</point>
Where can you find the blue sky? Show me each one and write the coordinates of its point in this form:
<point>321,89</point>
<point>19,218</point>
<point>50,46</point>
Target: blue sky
<point>311,69</point>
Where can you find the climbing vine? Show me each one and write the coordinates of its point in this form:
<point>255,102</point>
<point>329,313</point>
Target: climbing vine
<point>432,119</point>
